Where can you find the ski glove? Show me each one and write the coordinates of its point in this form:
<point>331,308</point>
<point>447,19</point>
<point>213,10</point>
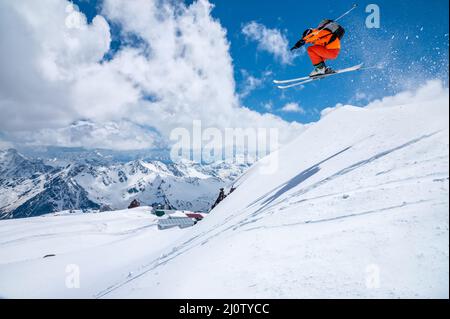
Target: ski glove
<point>298,45</point>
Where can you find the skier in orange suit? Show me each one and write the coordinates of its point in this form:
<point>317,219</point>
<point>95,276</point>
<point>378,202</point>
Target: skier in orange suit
<point>326,45</point>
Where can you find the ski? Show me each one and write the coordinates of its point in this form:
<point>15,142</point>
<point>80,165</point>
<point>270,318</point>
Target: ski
<point>297,84</point>
<point>291,80</point>
<point>311,79</point>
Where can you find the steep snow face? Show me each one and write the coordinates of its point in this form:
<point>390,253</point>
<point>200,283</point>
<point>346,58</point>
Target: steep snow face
<point>357,208</point>
<point>31,188</point>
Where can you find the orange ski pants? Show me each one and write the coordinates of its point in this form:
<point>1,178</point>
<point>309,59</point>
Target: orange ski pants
<point>319,53</point>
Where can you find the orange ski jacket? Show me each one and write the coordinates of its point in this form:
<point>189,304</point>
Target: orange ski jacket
<point>322,37</point>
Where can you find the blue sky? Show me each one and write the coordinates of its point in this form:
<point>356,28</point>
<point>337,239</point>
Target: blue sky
<point>412,45</point>
<point>400,18</point>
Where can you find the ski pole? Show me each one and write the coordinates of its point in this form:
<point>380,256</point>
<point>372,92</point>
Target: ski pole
<point>339,18</point>
<point>343,15</point>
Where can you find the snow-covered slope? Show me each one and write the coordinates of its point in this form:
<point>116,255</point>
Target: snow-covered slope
<point>358,207</point>
<point>98,247</point>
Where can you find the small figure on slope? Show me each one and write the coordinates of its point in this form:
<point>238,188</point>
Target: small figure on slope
<point>326,45</point>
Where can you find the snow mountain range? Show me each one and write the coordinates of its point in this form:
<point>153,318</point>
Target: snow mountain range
<point>30,187</point>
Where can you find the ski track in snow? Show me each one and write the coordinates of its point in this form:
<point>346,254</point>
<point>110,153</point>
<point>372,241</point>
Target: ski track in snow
<point>95,231</point>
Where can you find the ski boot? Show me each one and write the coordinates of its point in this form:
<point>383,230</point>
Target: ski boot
<point>319,69</point>
<point>329,70</point>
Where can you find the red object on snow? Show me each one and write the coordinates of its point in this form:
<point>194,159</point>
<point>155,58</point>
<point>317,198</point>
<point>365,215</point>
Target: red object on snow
<point>196,216</point>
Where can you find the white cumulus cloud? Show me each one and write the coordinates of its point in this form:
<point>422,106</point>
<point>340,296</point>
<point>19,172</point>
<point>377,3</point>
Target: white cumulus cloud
<point>250,83</point>
<point>122,135</point>
<point>54,74</point>
<point>293,108</point>
<point>270,40</point>
<point>41,60</point>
